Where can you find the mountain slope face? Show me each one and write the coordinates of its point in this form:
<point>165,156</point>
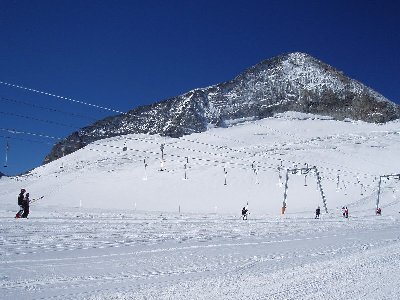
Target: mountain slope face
<point>292,82</point>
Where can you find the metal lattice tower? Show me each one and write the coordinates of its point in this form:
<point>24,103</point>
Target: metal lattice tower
<point>304,171</point>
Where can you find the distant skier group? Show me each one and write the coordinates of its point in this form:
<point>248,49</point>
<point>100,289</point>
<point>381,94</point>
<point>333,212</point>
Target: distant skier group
<point>345,212</point>
<point>23,202</point>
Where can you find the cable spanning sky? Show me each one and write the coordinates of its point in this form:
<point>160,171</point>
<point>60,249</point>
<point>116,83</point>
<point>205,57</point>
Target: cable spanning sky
<point>123,54</point>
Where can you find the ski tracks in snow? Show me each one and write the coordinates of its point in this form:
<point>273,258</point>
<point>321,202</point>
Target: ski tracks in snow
<point>162,258</point>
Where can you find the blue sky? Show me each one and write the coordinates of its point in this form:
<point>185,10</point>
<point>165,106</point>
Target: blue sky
<point>122,54</point>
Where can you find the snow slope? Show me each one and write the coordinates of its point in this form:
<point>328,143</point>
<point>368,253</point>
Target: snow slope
<point>109,228</point>
<point>103,175</point>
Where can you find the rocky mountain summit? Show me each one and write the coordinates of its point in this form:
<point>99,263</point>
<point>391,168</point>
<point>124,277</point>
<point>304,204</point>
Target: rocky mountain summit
<point>291,82</point>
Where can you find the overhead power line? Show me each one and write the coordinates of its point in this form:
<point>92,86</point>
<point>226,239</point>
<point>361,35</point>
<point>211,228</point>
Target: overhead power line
<point>59,97</point>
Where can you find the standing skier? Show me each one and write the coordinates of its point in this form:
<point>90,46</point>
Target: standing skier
<point>346,212</point>
<point>244,213</point>
<point>26,206</point>
<point>20,203</point>
<point>317,212</point>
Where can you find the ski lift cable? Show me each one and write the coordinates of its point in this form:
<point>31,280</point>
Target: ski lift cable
<point>140,160</point>
<point>320,167</point>
<point>47,108</point>
<point>59,97</point>
<point>242,166</point>
<point>182,158</point>
<point>249,160</point>
<point>301,142</point>
<point>209,153</point>
<point>269,166</point>
<point>192,150</point>
<point>200,161</point>
<point>26,140</point>
<point>14,131</point>
<point>97,162</point>
<point>38,120</point>
<point>343,170</point>
<point>227,157</point>
<point>239,150</point>
<point>153,152</point>
<point>239,165</point>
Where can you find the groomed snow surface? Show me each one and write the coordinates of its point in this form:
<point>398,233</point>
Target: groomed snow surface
<point>109,228</point>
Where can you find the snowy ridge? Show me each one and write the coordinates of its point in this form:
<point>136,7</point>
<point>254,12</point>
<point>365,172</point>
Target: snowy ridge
<point>292,82</point>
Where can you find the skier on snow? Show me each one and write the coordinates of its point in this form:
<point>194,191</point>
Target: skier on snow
<point>20,203</point>
<point>346,212</point>
<point>26,206</point>
<point>317,212</point>
<point>244,213</point>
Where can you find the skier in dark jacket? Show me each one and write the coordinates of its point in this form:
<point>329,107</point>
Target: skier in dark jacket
<point>244,213</point>
<point>317,212</point>
<point>26,206</point>
<point>20,203</point>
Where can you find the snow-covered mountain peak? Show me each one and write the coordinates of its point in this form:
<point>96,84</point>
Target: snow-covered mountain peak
<point>290,82</point>
<point>299,58</point>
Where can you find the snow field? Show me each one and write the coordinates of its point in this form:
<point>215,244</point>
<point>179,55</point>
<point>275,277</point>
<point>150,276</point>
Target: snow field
<point>81,254</point>
<point>111,225</point>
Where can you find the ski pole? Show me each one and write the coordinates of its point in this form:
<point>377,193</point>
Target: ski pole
<point>36,199</point>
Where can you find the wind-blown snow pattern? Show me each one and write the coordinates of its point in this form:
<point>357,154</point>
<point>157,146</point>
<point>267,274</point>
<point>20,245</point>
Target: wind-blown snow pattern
<point>292,82</point>
<point>112,225</point>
